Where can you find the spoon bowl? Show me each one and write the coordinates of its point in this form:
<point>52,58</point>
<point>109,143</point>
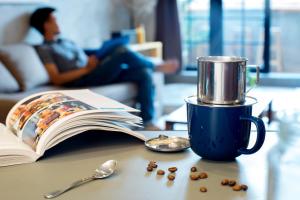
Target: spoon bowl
<point>105,170</point>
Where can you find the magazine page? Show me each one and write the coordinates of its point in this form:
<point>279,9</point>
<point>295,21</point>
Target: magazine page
<point>104,126</point>
<point>48,118</point>
<point>92,119</point>
<point>82,120</point>
<point>23,110</point>
<point>32,117</point>
<point>13,151</point>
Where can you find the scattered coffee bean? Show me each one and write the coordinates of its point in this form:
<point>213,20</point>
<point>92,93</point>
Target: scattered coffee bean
<point>149,169</point>
<point>231,183</point>
<point>152,164</point>
<point>160,172</point>
<point>172,169</point>
<point>171,177</point>
<point>193,169</point>
<point>194,176</point>
<point>203,189</point>
<point>237,187</point>
<point>244,187</point>
<point>225,182</point>
<point>203,175</point>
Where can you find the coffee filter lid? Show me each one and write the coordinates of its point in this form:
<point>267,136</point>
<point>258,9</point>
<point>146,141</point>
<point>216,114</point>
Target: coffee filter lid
<point>165,143</point>
<point>194,100</point>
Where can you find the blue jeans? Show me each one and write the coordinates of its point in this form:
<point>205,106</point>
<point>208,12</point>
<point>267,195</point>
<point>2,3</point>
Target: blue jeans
<point>124,65</point>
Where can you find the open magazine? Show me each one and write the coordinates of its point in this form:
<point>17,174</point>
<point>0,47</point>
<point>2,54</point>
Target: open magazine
<point>43,120</point>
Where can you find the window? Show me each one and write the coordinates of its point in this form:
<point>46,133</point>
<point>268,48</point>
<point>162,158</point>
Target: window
<point>244,31</point>
<point>194,20</point>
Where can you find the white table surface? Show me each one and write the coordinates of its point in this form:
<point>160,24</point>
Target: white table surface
<point>79,156</point>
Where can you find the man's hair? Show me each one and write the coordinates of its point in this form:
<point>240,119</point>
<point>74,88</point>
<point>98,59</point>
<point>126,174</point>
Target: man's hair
<point>39,17</point>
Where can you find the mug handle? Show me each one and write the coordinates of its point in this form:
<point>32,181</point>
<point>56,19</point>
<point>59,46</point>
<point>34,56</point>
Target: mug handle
<point>261,133</point>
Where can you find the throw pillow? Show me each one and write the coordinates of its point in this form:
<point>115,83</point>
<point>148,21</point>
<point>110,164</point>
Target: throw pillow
<point>24,63</point>
<point>7,82</point>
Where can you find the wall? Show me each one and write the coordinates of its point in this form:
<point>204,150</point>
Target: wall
<point>87,22</point>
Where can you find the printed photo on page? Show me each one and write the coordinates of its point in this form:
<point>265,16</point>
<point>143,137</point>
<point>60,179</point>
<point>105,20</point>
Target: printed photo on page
<point>40,121</point>
<point>29,107</point>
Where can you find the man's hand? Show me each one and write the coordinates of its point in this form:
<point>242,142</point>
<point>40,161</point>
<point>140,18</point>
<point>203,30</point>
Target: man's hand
<point>92,63</point>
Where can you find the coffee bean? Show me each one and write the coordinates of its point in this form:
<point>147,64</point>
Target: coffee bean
<point>231,183</point>
<point>149,169</point>
<point>160,172</point>
<point>153,165</point>
<point>171,177</point>
<point>194,176</point>
<point>203,189</point>
<point>225,182</point>
<point>203,175</point>
<point>237,188</point>
<point>172,169</point>
<point>193,169</point>
<point>244,187</point>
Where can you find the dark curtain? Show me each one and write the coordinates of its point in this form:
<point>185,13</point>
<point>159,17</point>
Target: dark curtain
<point>216,28</point>
<point>168,29</point>
<point>267,41</point>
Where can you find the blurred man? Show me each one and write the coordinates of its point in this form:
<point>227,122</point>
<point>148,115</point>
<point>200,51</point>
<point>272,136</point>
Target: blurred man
<point>68,65</point>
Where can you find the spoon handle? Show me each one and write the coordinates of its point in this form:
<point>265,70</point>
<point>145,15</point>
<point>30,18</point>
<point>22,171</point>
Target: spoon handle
<point>71,186</point>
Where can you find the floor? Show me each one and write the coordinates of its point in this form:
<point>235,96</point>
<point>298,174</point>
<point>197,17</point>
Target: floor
<point>174,95</point>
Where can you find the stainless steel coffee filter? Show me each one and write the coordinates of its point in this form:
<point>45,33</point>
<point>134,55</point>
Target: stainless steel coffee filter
<point>221,79</point>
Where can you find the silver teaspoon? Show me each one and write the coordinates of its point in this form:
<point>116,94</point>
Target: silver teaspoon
<point>105,170</point>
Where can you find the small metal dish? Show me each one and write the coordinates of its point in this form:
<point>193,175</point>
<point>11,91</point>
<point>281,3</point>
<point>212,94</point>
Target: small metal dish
<point>165,143</point>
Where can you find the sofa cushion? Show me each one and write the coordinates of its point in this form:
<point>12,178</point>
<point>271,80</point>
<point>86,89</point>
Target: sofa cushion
<point>7,82</point>
<point>23,62</point>
<point>120,92</point>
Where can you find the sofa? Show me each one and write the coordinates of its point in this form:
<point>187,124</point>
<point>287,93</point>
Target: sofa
<point>22,73</point>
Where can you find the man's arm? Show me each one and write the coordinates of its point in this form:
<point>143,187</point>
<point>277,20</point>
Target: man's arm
<point>58,78</point>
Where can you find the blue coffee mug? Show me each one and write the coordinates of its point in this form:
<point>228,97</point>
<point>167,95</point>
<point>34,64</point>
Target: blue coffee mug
<point>222,132</point>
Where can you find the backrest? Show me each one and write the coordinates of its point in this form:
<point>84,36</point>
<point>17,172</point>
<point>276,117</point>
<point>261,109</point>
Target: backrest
<point>24,64</point>
<point>7,82</point>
